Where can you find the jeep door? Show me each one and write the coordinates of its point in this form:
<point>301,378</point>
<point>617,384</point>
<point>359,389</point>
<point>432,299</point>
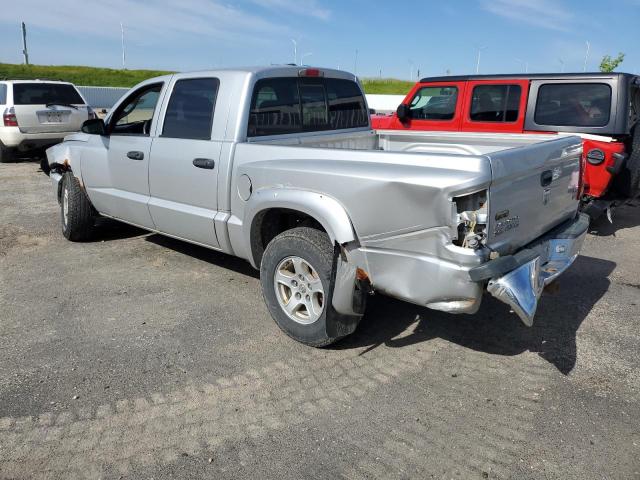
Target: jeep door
<point>183,172</point>
<point>115,169</point>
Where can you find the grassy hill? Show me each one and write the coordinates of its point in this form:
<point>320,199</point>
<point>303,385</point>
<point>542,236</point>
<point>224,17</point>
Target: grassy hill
<point>104,77</point>
<point>108,77</point>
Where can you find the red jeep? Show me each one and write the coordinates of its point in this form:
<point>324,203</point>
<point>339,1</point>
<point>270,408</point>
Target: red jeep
<point>602,108</point>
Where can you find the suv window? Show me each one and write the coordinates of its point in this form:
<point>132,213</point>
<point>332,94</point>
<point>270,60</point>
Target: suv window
<point>134,116</point>
<point>573,104</point>
<point>495,103</point>
<point>43,93</point>
<point>3,94</point>
<point>290,105</point>
<point>434,103</point>
<point>190,110</point>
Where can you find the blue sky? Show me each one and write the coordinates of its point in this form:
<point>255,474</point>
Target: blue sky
<point>398,37</point>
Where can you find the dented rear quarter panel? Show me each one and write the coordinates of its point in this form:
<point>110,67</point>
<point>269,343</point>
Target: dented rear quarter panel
<point>385,194</point>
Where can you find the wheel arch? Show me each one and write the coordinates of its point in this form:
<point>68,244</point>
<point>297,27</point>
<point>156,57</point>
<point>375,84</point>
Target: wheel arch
<point>302,207</point>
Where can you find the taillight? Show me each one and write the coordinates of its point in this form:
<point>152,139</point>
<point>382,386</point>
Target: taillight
<point>9,117</point>
<point>310,72</point>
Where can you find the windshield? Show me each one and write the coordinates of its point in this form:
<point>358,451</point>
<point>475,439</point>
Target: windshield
<point>43,93</point>
<point>573,104</point>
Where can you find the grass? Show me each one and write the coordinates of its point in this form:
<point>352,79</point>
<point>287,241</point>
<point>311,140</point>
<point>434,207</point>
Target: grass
<point>104,77</point>
<point>388,86</point>
<point>109,77</point>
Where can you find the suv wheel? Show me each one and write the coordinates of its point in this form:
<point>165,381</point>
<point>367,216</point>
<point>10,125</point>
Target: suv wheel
<point>297,286</point>
<point>75,210</point>
<point>6,154</point>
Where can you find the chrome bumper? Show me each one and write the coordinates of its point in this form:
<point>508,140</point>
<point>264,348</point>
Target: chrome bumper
<point>537,266</point>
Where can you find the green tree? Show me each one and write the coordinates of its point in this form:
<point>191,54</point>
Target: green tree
<point>609,64</point>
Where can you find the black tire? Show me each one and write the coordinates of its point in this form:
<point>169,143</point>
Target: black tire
<point>633,163</point>
<point>6,155</point>
<point>627,182</point>
<point>77,225</point>
<point>316,249</point>
<point>44,165</point>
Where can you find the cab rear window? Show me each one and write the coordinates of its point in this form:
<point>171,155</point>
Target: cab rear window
<point>292,105</point>
<point>573,104</point>
<point>43,93</point>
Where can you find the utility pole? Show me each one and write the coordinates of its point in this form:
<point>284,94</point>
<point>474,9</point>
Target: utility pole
<point>586,57</point>
<point>25,52</point>
<point>124,58</point>
<point>561,65</point>
<point>295,51</point>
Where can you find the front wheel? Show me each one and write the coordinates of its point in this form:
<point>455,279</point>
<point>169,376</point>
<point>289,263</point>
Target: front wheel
<point>297,286</point>
<point>75,209</point>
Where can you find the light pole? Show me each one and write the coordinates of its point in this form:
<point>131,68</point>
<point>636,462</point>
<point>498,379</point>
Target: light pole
<point>586,56</point>
<point>478,60</point>
<point>308,54</point>
<point>295,51</point>
<point>124,58</point>
<point>355,64</point>
<point>525,64</point>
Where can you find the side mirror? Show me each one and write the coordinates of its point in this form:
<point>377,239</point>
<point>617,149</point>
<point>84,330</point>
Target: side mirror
<point>403,112</point>
<point>94,126</point>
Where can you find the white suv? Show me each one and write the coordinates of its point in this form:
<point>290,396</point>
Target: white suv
<point>37,114</point>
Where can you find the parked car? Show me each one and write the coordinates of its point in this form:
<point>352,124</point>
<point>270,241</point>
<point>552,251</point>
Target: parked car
<point>279,166</point>
<point>602,108</point>
<point>37,114</point>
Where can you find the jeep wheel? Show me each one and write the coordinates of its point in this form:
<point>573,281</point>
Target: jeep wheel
<point>297,286</point>
<point>627,182</point>
<point>75,209</point>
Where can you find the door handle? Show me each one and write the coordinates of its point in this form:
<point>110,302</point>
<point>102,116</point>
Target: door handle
<point>133,155</point>
<point>546,178</point>
<point>207,163</point>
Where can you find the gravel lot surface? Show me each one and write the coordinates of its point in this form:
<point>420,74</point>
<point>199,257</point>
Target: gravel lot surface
<point>135,356</point>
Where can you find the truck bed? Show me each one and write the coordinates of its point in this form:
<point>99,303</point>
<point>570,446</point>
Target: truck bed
<point>518,167</point>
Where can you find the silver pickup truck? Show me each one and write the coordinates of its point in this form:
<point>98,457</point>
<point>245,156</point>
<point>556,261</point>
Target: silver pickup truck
<point>279,166</point>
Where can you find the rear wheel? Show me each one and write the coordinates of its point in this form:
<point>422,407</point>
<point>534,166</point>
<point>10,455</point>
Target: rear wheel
<point>6,154</point>
<point>633,162</point>
<point>75,209</point>
<point>296,274</point>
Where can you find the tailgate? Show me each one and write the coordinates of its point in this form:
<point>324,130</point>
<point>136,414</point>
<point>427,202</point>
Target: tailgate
<point>533,189</point>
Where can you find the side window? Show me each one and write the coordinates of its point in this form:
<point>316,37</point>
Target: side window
<point>275,107</point>
<point>190,110</point>
<point>134,116</point>
<point>495,103</point>
<point>573,104</point>
<point>3,94</point>
<point>434,103</point>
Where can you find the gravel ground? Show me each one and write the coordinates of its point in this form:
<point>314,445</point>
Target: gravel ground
<point>137,357</point>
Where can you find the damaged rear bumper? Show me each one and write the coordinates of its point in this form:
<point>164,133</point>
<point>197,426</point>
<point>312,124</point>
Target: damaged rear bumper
<point>518,280</point>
